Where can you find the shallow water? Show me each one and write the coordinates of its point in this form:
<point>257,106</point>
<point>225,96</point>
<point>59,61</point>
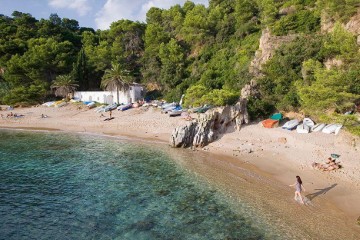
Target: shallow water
<point>68,186</point>
<point>72,186</point>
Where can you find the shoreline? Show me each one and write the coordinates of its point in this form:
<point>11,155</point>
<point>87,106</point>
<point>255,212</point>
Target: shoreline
<point>268,157</point>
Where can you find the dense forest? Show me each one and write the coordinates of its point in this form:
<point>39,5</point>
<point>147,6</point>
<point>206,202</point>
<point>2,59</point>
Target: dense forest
<point>203,52</point>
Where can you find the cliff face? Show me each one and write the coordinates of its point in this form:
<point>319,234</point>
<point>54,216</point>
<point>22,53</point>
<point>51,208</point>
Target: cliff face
<point>268,45</point>
<point>353,25</point>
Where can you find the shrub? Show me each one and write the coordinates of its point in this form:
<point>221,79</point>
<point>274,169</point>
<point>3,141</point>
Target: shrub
<point>258,108</point>
<point>303,21</point>
<point>29,95</point>
<point>194,94</point>
<point>220,97</point>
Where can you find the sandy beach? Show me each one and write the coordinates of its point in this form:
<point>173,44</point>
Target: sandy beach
<point>275,154</point>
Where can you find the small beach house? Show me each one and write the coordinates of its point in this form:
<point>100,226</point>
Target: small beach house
<point>133,94</point>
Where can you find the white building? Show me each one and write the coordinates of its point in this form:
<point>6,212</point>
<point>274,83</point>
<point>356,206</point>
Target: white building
<point>133,94</point>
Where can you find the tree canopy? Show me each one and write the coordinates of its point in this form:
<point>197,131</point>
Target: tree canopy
<point>202,52</point>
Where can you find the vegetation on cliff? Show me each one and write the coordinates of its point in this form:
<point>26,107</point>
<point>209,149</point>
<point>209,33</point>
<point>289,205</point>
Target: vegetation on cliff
<point>204,52</point>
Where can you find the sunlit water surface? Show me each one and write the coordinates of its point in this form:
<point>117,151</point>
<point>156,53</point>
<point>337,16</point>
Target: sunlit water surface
<point>71,186</point>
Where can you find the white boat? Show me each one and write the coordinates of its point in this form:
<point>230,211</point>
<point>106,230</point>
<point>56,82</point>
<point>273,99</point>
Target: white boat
<point>175,113</point>
<point>91,105</point>
<point>318,127</point>
<point>303,128</point>
<point>100,108</point>
<point>337,130</point>
<point>168,105</point>
<point>110,107</point>
<point>124,107</point>
<point>332,128</point>
<point>168,109</point>
<point>308,122</point>
<point>289,125</point>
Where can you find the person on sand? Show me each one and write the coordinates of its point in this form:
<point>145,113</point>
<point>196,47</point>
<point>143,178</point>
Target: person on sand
<point>110,113</point>
<point>298,188</point>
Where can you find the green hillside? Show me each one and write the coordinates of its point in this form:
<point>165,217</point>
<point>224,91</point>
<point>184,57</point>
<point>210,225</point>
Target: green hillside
<point>204,53</point>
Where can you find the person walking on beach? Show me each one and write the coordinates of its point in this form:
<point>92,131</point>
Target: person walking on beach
<point>298,189</point>
<point>110,113</point>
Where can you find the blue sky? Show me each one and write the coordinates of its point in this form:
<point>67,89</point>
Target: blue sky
<point>98,14</point>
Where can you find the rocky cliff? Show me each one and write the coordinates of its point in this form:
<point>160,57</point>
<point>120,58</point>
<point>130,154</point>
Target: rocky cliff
<point>353,25</point>
<point>210,125</point>
<point>268,45</point>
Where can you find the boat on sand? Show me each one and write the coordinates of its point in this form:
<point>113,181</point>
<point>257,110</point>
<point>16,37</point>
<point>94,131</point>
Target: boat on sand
<point>276,116</point>
<point>91,105</point>
<point>332,128</point>
<point>302,128</point>
<point>270,123</point>
<point>290,125</point>
<point>124,107</point>
<point>318,127</point>
<point>305,126</point>
<point>308,122</point>
<point>110,107</point>
<point>175,112</point>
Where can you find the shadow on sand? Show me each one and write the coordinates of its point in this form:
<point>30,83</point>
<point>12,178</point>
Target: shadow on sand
<point>320,191</point>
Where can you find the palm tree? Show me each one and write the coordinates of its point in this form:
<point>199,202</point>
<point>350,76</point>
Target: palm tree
<point>116,77</point>
<point>64,85</point>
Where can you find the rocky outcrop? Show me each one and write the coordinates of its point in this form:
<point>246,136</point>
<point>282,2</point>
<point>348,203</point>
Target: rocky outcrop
<point>288,10</point>
<point>210,125</point>
<point>268,45</point>
<point>333,62</point>
<point>327,22</point>
<point>353,25</point>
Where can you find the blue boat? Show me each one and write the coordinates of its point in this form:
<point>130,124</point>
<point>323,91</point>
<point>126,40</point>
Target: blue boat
<point>124,107</point>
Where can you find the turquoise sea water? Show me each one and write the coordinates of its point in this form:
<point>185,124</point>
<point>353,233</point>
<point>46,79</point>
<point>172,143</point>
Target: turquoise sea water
<point>68,186</point>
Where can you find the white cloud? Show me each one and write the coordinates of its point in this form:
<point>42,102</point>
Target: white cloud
<point>135,10</point>
<point>82,7</point>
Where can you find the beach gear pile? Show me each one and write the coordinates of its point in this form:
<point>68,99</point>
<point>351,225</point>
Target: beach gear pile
<point>329,165</point>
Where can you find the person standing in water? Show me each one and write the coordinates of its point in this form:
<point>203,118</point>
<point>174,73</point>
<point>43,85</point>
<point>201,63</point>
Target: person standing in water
<point>298,188</point>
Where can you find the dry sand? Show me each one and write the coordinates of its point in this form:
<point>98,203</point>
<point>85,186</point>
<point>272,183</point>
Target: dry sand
<point>276,154</point>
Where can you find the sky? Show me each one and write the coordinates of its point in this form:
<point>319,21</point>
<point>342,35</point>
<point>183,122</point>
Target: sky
<point>98,14</point>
